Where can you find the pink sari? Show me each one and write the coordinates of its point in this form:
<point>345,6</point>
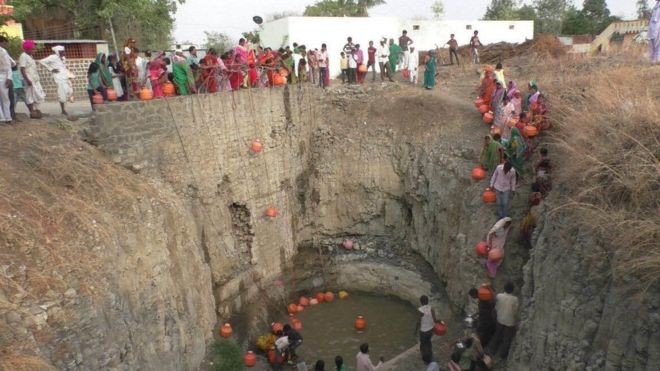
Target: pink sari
<point>156,72</point>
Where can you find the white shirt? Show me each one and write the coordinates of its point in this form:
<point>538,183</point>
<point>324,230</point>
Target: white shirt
<point>282,343</point>
<point>426,323</point>
<point>383,53</point>
<point>506,306</point>
<point>323,59</point>
<point>413,61</point>
<point>364,362</point>
<point>27,62</point>
<point>433,366</point>
<point>6,63</point>
<point>352,61</point>
<point>54,62</point>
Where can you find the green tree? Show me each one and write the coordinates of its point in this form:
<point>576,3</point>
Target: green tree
<point>502,10</point>
<point>227,356</point>
<point>575,22</point>
<point>643,10</point>
<point>526,13</point>
<point>219,41</point>
<point>438,9</point>
<point>150,22</point>
<point>549,15</point>
<point>341,8</point>
<point>598,13</point>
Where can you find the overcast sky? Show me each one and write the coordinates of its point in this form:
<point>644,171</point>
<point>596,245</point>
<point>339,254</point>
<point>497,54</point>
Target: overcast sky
<point>235,16</point>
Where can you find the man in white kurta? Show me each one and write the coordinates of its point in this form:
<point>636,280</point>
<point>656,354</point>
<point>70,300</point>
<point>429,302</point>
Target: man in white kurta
<point>55,64</point>
<point>34,93</point>
<point>413,65</point>
<point>6,64</point>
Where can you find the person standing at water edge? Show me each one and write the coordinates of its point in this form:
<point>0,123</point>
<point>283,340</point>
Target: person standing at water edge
<point>55,64</point>
<point>364,362</point>
<point>506,305</point>
<point>431,365</point>
<point>425,325</point>
<point>654,33</point>
<point>339,364</point>
<point>295,340</point>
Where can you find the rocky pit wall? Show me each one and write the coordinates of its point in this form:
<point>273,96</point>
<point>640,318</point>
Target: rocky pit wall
<point>341,164</point>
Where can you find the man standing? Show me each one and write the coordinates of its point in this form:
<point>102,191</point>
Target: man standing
<point>313,64</point>
<point>6,64</point>
<point>349,49</point>
<point>474,44</point>
<point>384,60</point>
<point>404,43</point>
<point>506,306</point>
<point>654,33</point>
<point>413,65</point>
<point>323,65</point>
<point>55,64</point>
<point>295,340</point>
<point>504,183</point>
<point>34,93</point>
<point>371,62</point>
<point>425,325</point>
<point>453,47</point>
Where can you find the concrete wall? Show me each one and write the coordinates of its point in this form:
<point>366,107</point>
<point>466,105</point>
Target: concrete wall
<point>313,31</point>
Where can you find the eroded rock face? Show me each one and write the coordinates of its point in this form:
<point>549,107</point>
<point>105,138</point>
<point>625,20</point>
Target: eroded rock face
<point>575,316</point>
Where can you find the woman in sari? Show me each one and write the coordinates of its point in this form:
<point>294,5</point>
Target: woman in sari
<point>540,113</point>
<point>496,239</point>
<point>253,74</point>
<point>395,53</point>
<point>488,86</point>
<point>516,150</point>
<point>183,76</point>
<point>508,114</point>
<point>235,72</point>
<point>531,96</point>
<point>498,98</point>
<point>210,71</point>
<point>117,73</point>
<point>492,153</point>
<point>156,69</point>
<point>429,72</point>
<point>104,70</point>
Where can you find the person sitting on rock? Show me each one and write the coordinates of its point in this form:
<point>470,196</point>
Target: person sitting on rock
<point>295,340</point>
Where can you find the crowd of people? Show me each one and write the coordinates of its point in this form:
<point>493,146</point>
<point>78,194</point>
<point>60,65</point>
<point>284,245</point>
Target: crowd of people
<point>510,144</point>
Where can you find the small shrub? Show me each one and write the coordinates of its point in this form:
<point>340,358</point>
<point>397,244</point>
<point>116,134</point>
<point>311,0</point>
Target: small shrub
<point>227,356</point>
<point>265,341</point>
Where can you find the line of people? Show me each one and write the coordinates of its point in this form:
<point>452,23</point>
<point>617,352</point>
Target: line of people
<point>509,145</point>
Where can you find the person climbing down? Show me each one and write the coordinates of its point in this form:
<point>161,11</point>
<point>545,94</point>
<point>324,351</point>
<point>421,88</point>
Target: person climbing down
<point>504,183</point>
<point>542,170</point>
<point>516,149</point>
<point>496,239</point>
<point>506,305</point>
<point>339,363</point>
<point>295,340</point>
<point>453,364</point>
<point>499,73</point>
<point>485,316</point>
<point>425,325</point>
<point>471,353</point>
<point>492,154</point>
<point>364,362</point>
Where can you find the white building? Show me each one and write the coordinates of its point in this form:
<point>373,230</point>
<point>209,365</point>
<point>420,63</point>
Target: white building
<point>426,35</point>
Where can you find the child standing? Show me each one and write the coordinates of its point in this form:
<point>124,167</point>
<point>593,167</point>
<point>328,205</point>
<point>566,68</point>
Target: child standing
<point>19,92</point>
<point>344,67</point>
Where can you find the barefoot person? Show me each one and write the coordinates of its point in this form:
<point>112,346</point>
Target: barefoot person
<point>57,67</point>
<point>34,93</point>
<point>364,362</point>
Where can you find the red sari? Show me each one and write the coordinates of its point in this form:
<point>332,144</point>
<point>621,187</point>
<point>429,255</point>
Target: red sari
<point>487,89</point>
<point>235,73</point>
<point>210,73</point>
<point>253,75</point>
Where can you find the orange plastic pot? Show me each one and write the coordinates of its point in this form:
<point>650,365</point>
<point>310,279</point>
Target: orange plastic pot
<point>146,94</point>
<point>97,98</point>
<point>495,255</point>
<point>292,308</point>
<point>112,94</point>
<point>440,328</point>
<point>483,109</point>
<point>489,196</point>
<point>271,212</point>
<point>168,89</point>
<point>275,327</point>
<point>250,359</point>
<point>320,297</point>
<point>360,323</point>
<point>488,117</point>
<point>256,146</point>
<point>478,173</point>
<point>485,293</point>
<point>531,131</point>
<point>226,330</point>
<point>329,296</point>
<point>304,301</point>
<point>481,249</point>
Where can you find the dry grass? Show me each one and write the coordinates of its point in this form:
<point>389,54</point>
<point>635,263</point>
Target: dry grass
<point>609,133</point>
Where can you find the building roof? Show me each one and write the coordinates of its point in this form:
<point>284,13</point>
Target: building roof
<point>81,41</point>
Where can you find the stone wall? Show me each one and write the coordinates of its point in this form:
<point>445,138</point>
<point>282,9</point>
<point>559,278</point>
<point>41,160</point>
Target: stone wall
<point>200,145</point>
<point>78,67</point>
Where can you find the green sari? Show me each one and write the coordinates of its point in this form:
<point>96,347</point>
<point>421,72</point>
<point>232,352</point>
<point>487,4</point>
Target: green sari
<point>516,150</point>
<point>395,51</point>
<point>429,73</point>
<point>183,77</point>
<point>491,156</point>
<point>104,70</point>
